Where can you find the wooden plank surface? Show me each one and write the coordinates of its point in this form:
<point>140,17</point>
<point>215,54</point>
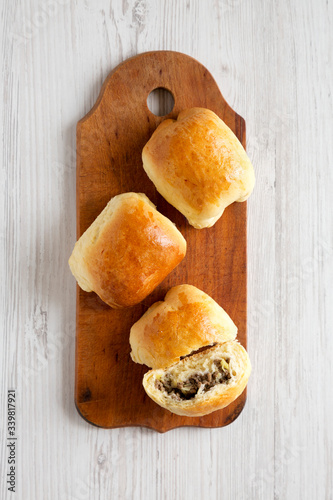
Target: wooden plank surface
<point>273,62</point>
<point>110,139</point>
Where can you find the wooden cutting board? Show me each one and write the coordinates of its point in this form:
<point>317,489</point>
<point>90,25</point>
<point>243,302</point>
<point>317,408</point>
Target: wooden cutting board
<point>110,138</point>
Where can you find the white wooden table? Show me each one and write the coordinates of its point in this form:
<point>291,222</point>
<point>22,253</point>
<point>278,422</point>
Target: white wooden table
<point>273,63</point>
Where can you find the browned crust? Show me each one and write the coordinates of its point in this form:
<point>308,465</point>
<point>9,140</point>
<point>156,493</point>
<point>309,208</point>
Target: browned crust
<point>185,321</point>
<point>133,252</point>
<point>198,164</point>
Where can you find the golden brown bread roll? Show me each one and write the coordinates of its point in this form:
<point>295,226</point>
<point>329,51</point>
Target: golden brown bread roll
<point>201,383</point>
<point>198,165</point>
<point>127,251</point>
<point>185,321</point>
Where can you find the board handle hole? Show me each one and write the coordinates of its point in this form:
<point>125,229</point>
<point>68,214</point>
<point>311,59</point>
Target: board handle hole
<point>160,101</point>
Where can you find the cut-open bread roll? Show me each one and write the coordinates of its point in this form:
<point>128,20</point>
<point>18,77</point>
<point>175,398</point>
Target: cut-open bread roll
<point>188,340</point>
<point>185,321</point>
<point>198,165</point>
<point>127,251</point>
<point>201,383</point>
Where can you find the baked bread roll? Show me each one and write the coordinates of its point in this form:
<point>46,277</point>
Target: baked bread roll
<point>202,383</point>
<point>198,165</point>
<point>127,251</point>
<point>185,321</point>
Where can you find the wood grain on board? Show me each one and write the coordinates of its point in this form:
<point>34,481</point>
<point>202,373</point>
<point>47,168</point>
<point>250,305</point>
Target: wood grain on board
<point>110,138</point>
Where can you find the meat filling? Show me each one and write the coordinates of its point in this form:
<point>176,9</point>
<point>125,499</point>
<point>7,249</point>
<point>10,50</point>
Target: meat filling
<point>190,387</point>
